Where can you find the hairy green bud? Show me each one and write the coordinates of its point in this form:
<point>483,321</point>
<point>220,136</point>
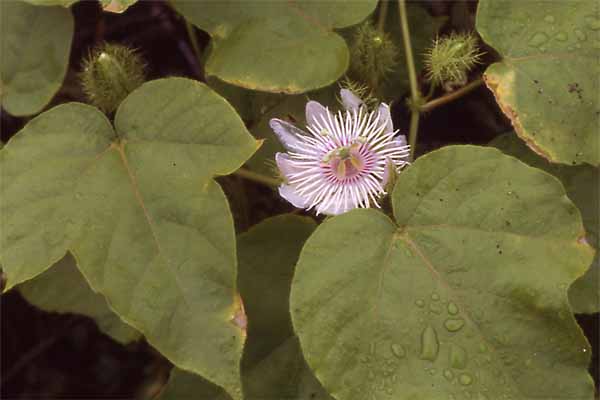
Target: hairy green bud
<point>373,55</point>
<point>450,58</point>
<point>110,73</point>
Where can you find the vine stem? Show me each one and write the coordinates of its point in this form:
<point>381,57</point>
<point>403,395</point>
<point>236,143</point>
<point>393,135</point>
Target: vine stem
<point>383,8</point>
<point>415,94</point>
<point>256,177</point>
<point>447,98</point>
<point>193,39</point>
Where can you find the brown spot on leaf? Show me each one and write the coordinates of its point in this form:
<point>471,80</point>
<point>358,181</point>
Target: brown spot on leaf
<point>238,317</point>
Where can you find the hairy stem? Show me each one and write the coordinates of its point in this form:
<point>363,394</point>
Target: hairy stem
<point>447,98</point>
<point>256,177</point>
<point>415,94</point>
<point>193,39</point>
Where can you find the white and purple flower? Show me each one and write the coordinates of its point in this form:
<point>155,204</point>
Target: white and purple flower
<point>344,160</point>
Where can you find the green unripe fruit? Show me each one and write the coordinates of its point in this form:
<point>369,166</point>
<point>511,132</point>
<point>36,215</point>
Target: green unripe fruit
<point>109,74</point>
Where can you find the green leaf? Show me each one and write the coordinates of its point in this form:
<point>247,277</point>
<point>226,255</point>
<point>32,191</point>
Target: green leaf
<point>41,166</point>
<point>184,385</point>
<point>273,366</point>
<point>63,289</point>
<point>117,6</point>
<point>547,80</point>
<point>464,295</point>
<point>139,210</point>
<point>287,47</point>
<point>582,185</point>
<point>63,3</point>
<point>36,42</point>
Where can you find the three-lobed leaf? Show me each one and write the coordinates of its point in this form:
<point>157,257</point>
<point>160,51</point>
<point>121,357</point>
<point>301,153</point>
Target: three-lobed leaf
<point>581,183</point>
<point>35,47</point>
<point>139,210</point>
<point>464,294</point>
<point>548,79</point>
<point>287,46</point>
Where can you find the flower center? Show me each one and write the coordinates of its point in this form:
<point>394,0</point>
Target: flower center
<point>346,162</point>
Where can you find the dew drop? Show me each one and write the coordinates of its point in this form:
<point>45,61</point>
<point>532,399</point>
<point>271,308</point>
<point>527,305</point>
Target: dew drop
<point>457,357</point>
<point>435,296</point>
<point>592,22</point>
<point>452,309</point>
<point>482,347</point>
<point>454,324</point>
<point>448,374</point>
<point>549,19</point>
<point>538,39</point>
<point>429,344</point>
<point>398,350</point>
<point>561,36</point>
<point>465,379</point>
<point>420,303</point>
<point>432,371</point>
<point>580,35</point>
<point>435,308</point>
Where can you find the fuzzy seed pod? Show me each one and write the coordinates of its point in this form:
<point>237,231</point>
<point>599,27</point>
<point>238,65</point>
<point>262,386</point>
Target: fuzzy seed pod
<point>110,73</point>
<point>450,58</point>
<point>373,55</point>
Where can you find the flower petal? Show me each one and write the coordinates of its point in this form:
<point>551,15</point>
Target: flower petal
<point>284,164</point>
<point>287,133</point>
<point>385,117</point>
<point>401,140</point>
<point>350,100</point>
<point>314,112</point>
<point>288,193</point>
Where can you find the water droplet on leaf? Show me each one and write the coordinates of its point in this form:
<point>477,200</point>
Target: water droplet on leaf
<point>457,357</point>
<point>561,37</point>
<point>454,324</point>
<point>429,344</point>
<point>398,350</point>
<point>448,374</point>
<point>592,22</point>
<point>538,39</point>
<point>452,309</point>
<point>465,379</point>
<point>580,35</point>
